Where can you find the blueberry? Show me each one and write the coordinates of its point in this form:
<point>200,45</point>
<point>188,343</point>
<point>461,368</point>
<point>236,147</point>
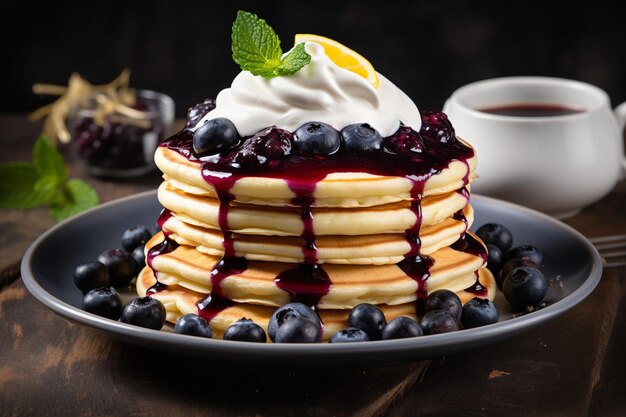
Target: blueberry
<point>287,313</point>
<point>403,141</point>
<point>360,137</point>
<point>524,287</point>
<point>139,257</point>
<point>135,236</point>
<point>197,112</point>
<point>528,251</point>
<point>262,148</point>
<point>444,300</point>
<point>299,330</point>
<point>317,137</point>
<point>121,266</point>
<point>368,318</point>
<point>437,126</point>
<point>145,312</point>
<point>510,265</point>
<point>245,330</point>
<point>438,321</point>
<point>215,136</point>
<point>103,302</point>
<point>90,275</point>
<point>193,325</point>
<point>495,259</point>
<point>479,312</point>
<point>497,235</point>
<point>401,328</point>
<point>351,334</point>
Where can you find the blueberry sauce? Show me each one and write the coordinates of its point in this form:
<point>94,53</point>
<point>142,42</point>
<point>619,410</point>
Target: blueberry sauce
<point>477,288</point>
<point>418,268</point>
<point>468,244</point>
<point>230,264</point>
<point>216,301</point>
<point>460,215</point>
<point>211,305</point>
<point>305,200</point>
<point>306,283</point>
<point>464,192</point>
<point>168,245</point>
<point>412,233</point>
<point>158,287</point>
<point>164,216</point>
<point>266,154</point>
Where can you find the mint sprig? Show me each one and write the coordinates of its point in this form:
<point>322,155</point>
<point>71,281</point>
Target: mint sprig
<point>44,182</point>
<point>256,48</point>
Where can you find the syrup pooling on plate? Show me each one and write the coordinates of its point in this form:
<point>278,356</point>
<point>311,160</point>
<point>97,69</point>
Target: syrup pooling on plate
<point>408,154</point>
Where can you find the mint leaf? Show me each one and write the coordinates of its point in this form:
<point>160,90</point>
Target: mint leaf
<point>46,186</point>
<point>256,48</point>
<point>17,186</point>
<point>44,182</point>
<point>294,60</point>
<point>255,45</point>
<point>77,196</point>
<point>48,161</point>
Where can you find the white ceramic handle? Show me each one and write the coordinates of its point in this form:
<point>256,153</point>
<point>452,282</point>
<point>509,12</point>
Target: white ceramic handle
<point>620,114</point>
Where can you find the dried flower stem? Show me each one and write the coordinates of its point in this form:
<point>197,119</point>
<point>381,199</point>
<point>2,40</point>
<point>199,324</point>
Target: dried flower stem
<point>114,99</point>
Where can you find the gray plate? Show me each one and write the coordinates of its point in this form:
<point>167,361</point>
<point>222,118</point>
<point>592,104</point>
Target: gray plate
<point>572,264</point>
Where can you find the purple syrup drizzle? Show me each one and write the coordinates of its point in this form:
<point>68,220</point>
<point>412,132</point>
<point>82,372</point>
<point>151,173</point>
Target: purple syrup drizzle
<point>158,287</point>
<point>418,268</point>
<point>308,282</point>
<point>412,233</point>
<point>164,216</point>
<point>468,244</point>
<point>477,288</point>
<point>460,215</point>
<point>230,264</point>
<point>216,301</point>
<point>305,199</point>
<point>166,246</point>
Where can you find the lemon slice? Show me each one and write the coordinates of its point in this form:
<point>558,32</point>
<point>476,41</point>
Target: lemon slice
<point>343,56</point>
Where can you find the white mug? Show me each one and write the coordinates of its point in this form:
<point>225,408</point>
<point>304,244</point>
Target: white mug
<point>556,164</point>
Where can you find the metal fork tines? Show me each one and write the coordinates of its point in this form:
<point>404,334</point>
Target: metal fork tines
<point>609,248</point>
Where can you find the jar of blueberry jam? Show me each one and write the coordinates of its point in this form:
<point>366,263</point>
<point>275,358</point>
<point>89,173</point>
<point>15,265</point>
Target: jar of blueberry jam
<point>114,145</point>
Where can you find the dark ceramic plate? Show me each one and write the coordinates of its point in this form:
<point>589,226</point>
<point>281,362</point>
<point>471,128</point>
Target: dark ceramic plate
<point>572,264</point>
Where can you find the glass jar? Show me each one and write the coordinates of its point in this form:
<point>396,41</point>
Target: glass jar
<point>121,147</point>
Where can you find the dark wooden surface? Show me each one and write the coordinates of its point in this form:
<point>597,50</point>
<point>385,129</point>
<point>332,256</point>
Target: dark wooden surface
<point>573,366</point>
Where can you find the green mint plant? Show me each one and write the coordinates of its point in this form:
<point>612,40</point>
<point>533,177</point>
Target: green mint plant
<point>256,48</point>
<point>44,182</point>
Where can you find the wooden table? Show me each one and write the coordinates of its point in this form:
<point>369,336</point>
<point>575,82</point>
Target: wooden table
<point>573,366</point>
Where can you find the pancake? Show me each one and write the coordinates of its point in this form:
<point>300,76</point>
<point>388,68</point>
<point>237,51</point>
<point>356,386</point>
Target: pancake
<point>338,189</point>
<point>351,284</point>
<point>279,221</point>
<point>370,249</point>
<point>179,301</point>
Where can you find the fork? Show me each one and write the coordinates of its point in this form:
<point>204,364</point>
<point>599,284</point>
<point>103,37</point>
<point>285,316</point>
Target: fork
<point>612,249</point>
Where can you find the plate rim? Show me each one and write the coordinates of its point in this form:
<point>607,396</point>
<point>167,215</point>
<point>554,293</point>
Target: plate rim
<point>288,352</point>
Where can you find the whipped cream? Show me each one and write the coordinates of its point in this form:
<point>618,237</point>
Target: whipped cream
<point>320,92</point>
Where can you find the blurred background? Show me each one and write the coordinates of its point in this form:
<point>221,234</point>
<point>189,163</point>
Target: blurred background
<point>428,49</point>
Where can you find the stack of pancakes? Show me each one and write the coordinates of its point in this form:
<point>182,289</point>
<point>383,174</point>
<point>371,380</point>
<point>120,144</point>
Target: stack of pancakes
<point>362,238</point>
